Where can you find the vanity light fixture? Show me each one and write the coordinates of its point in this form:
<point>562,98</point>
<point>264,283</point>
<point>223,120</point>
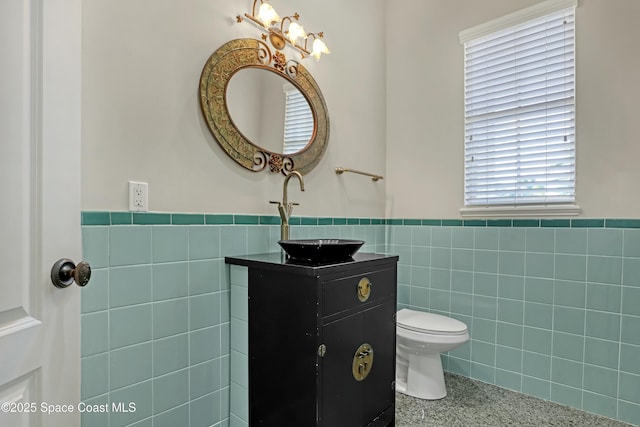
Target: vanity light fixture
<point>267,14</point>
<point>295,30</point>
<point>318,45</point>
<point>268,20</point>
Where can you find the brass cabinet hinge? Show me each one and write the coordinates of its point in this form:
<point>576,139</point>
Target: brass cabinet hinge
<point>322,349</point>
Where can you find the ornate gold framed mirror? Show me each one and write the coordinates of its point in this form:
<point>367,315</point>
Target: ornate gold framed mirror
<point>242,54</point>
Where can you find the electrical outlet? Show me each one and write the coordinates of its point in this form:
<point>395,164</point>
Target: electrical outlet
<point>138,196</point>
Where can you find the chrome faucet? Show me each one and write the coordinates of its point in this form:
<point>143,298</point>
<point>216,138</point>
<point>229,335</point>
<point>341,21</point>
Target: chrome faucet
<point>285,208</point>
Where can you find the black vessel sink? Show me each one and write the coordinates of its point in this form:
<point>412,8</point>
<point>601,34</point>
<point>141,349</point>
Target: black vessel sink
<point>321,250</point>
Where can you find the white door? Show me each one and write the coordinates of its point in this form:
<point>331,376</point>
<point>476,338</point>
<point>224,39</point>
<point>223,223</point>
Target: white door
<point>39,211</point>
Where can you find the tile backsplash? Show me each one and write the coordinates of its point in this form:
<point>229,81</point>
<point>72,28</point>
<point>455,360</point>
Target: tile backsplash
<point>155,328</point>
<point>156,316</point>
<point>553,306</point>
<point>553,312</point>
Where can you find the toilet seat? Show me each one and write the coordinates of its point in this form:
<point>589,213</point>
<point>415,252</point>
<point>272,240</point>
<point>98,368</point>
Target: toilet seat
<point>429,323</point>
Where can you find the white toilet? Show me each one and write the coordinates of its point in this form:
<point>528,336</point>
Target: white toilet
<point>420,338</point>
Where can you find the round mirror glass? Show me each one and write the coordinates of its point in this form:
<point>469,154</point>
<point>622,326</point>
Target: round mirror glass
<point>269,111</point>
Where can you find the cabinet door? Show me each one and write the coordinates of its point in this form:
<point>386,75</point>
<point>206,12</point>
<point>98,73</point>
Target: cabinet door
<point>282,349</point>
<point>379,332</point>
<point>347,402</point>
<point>342,397</point>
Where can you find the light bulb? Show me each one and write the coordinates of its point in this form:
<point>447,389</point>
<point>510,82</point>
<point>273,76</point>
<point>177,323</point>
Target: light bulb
<point>295,31</point>
<point>319,48</point>
<point>267,15</point>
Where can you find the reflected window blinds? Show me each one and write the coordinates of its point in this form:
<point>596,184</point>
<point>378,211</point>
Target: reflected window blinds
<point>298,122</point>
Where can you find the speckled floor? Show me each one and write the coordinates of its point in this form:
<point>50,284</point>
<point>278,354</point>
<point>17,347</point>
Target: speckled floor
<point>472,403</point>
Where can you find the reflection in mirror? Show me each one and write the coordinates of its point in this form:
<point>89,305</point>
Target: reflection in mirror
<point>269,111</point>
<point>298,120</point>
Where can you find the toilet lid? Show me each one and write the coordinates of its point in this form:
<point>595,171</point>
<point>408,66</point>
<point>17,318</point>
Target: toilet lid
<point>432,323</point>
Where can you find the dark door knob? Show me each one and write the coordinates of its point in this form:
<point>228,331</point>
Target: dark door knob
<point>64,272</point>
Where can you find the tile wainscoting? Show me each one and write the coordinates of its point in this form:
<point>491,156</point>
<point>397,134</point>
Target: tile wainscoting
<point>553,305</point>
<point>155,316</point>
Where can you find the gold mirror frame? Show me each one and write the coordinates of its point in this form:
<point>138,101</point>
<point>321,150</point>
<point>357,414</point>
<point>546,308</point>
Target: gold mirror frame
<point>234,56</point>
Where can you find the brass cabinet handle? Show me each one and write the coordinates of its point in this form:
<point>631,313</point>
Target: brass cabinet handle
<point>364,289</point>
<point>362,362</point>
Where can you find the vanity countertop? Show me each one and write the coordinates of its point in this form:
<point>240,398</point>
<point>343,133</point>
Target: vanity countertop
<point>278,261</point>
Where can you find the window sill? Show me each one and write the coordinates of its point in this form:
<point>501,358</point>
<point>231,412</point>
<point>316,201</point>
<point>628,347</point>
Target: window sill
<point>521,211</point>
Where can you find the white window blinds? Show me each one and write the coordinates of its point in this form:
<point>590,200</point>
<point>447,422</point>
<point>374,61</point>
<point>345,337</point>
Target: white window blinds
<point>520,114</point>
<point>298,121</point>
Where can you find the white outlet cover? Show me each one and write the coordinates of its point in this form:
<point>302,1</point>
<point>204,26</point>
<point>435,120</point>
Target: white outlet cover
<point>138,196</point>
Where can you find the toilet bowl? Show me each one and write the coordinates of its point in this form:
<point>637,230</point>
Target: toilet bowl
<point>420,338</point>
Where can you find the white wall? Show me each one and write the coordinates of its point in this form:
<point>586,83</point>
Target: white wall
<point>425,104</point>
<point>141,118</point>
<point>394,110</point>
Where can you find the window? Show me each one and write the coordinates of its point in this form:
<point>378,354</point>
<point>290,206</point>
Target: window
<point>298,121</point>
<point>520,108</point>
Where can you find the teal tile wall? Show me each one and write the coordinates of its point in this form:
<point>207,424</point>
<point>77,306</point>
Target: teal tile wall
<point>239,376</point>
<point>552,306</point>
<point>156,322</point>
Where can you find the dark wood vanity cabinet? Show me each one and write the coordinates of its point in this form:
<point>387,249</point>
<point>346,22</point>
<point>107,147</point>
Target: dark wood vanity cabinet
<point>321,342</point>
